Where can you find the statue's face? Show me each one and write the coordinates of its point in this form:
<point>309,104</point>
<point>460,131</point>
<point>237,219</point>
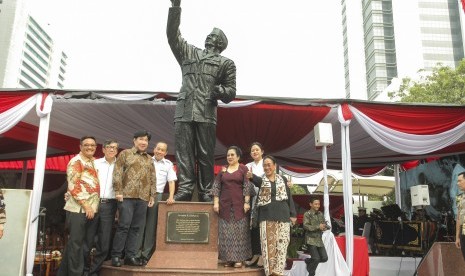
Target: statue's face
<point>213,41</point>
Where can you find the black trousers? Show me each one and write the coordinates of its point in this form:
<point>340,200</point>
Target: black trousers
<point>131,224</point>
<point>147,239</point>
<point>72,263</point>
<point>255,239</point>
<point>195,141</point>
<point>462,243</point>
<point>318,255</point>
<point>102,229</point>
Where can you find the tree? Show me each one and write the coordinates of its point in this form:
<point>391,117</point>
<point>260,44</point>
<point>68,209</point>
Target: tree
<point>443,85</point>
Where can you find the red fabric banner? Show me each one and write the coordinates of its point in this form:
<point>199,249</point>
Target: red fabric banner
<point>413,119</point>
<point>346,113</point>
<point>28,133</point>
<point>57,163</point>
<point>276,127</point>
<point>10,100</point>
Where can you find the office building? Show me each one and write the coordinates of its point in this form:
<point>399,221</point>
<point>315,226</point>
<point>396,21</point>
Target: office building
<point>29,57</point>
<point>399,38</point>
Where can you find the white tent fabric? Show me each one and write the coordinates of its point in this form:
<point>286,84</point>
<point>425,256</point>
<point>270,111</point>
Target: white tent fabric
<point>336,264</point>
<point>126,97</point>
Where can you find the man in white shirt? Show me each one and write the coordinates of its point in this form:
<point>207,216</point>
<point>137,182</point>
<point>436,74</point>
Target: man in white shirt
<point>165,173</point>
<point>107,209</point>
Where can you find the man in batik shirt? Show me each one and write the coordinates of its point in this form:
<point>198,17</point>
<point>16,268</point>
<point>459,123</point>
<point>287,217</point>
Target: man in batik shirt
<point>314,225</point>
<point>83,185</point>
<point>134,182</point>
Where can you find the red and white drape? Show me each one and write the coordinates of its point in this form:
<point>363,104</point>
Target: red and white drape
<point>14,107</point>
<point>397,138</point>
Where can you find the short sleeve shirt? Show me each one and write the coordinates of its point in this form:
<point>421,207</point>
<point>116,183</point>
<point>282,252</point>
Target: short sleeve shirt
<point>460,200</point>
<point>165,173</point>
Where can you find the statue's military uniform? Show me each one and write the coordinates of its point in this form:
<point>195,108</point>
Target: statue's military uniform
<point>206,78</point>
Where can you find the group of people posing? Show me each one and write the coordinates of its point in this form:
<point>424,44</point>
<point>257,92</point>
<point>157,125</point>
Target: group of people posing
<point>253,202</point>
<point>132,183</point>
<point>255,209</point>
<point>256,212</point>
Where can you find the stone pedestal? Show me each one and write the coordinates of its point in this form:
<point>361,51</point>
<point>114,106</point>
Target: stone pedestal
<point>184,240</point>
<point>179,254</point>
<point>442,259</point>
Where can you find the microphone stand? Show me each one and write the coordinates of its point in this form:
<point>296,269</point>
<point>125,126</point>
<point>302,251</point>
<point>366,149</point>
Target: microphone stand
<point>41,238</point>
<point>400,228</point>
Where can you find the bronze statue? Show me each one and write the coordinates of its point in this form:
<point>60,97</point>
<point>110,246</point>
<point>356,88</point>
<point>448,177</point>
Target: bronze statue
<point>206,78</point>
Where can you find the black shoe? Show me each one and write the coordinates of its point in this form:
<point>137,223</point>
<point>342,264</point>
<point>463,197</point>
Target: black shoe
<point>143,261</point>
<point>116,261</point>
<point>132,261</point>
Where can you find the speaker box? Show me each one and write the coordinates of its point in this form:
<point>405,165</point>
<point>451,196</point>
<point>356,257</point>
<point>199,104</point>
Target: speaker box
<point>323,134</point>
<point>419,195</point>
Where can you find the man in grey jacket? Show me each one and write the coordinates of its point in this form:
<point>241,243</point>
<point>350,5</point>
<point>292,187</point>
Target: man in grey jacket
<point>206,78</point>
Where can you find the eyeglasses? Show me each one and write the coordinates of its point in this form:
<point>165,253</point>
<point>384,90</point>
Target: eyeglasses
<point>111,147</point>
<point>89,145</point>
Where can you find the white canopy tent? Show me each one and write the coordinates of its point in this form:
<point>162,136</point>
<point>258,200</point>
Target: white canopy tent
<point>374,185</point>
<point>380,133</point>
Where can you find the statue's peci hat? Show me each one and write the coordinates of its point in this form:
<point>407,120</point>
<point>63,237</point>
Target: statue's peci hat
<point>223,37</point>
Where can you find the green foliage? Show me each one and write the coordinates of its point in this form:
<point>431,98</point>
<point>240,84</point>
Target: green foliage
<point>443,85</point>
<point>298,190</point>
<point>390,199</point>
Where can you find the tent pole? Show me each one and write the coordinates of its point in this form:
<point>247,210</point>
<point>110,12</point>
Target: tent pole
<point>397,191</point>
<point>347,188</point>
<point>22,184</point>
<point>326,190</point>
<point>38,184</point>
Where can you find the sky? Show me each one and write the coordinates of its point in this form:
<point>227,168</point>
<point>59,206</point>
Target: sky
<point>281,48</point>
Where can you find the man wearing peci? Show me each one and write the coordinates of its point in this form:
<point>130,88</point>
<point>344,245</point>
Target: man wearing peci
<point>206,78</point>
<point>165,173</point>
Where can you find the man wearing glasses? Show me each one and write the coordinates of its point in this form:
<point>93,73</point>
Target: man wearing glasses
<point>107,209</point>
<point>83,185</point>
